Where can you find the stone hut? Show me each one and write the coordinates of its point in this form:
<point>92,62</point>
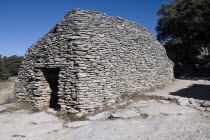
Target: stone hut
<point>89,59</point>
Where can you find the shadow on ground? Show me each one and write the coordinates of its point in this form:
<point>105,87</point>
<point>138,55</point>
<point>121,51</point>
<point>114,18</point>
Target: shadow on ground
<point>193,78</point>
<point>196,91</point>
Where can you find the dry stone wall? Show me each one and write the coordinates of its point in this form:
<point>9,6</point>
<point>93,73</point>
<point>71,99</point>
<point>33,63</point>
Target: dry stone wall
<point>99,57</point>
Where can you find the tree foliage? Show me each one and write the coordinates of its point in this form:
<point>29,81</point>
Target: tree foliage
<point>4,73</point>
<point>13,63</point>
<point>185,24</point>
<point>9,66</point>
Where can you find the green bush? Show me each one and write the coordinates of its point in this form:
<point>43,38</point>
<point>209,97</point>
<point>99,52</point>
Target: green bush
<point>4,73</point>
<point>9,66</point>
<point>13,63</point>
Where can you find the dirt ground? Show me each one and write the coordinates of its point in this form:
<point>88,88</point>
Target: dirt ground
<point>180,111</point>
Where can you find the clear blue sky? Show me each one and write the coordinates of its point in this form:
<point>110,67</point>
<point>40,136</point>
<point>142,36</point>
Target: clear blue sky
<point>24,21</point>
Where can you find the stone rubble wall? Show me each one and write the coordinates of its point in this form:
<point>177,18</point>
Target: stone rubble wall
<point>100,58</point>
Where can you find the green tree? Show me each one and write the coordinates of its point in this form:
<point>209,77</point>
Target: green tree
<point>185,24</point>
<point>4,73</point>
<point>13,63</point>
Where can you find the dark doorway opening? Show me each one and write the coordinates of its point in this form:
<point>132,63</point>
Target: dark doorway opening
<point>51,76</point>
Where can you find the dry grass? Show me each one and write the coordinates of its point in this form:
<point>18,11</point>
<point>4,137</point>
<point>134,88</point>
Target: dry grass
<point>27,106</point>
<point>6,90</point>
<point>6,97</point>
<point>8,100</point>
<point>67,117</point>
<point>20,106</point>
<point>5,85</point>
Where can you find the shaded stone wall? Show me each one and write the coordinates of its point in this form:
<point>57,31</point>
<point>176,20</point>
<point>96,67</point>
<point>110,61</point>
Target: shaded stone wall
<point>99,57</point>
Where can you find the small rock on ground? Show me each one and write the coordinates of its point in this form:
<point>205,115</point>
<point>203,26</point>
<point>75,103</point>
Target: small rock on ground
<point>52,110</point>
<point>125,114</point>
<point>200,108</point>
<point>208,109</point>
<point>183,101</point>
<point>100,116</point>
<point>164,102</point>
<point>192,101</point>
<point>206,104</point>
<point>79,114</point>
<point>77,124</point>
<point>138,104</point>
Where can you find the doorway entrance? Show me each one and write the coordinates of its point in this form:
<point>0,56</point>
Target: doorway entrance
<point>51,76</point>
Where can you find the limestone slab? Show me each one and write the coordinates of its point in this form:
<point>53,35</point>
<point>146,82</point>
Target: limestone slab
<point>43,117</point>
<point>169,109</point>
<point>35,130</point>
<point>125,114</point>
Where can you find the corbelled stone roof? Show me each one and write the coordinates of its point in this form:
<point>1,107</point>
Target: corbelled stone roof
<point>99,58</point>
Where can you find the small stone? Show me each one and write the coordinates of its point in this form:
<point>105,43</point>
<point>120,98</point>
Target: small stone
<point>80,114</point>
<point>52,110</point>
<point>73,111</point>
<point>125,114</point>
<point>77,124</point>
<point>122,104</point>
<point>138,104</point>
<point>100,116</point>
<point>74,37</point>
<point>84,112</point>
<point>206,104</point>
<point>192,101</point>
<point>199,102</point>
<point>129,101</point>
<point>182,101</point>
<point>200,108</point>
<point>207,109</point>
<point>112,107</point>
<point>81,75</point>
<point>59,59</point>
<point>111,101</point>
<point>164,102</point>
<point>193,105</point>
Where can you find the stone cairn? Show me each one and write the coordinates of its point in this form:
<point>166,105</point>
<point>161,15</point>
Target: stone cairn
<point>99,58</point>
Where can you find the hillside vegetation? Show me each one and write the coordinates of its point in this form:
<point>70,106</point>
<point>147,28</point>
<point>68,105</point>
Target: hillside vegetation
<point>9,66</point>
